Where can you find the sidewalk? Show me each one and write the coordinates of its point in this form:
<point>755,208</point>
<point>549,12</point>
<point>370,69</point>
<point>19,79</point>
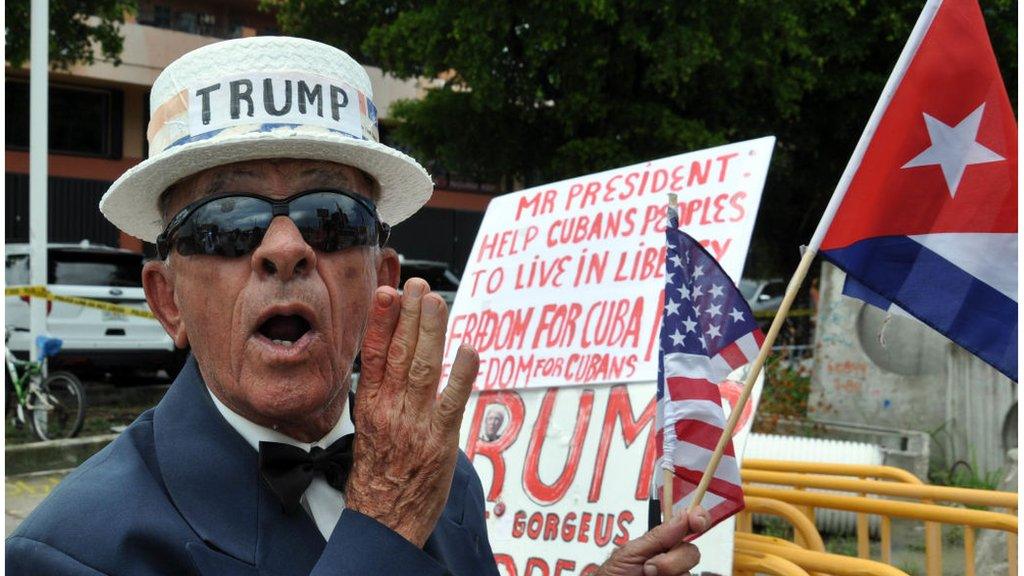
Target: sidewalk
<point>25,492</point>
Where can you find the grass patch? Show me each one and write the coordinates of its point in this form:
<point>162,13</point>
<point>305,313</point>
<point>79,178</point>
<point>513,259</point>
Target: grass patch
<point>966,475</point>
<point>845,545</point>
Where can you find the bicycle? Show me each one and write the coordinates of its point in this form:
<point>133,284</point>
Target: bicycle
<point>54,406</point>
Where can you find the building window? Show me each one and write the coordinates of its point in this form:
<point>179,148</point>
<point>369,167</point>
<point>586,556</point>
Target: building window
<point>83,121</point>
<point>162,16</point>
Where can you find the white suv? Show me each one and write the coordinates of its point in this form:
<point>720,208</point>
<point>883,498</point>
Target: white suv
<point>102,339</point>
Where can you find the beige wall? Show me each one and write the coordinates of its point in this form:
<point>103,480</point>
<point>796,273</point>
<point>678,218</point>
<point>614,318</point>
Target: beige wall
<point>134,120</point>
<point>387,89</point>
<point>147,50</point>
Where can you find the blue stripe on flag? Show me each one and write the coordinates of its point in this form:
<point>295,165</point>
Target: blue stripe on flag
<point>855,289</point>
<point>937,292</point>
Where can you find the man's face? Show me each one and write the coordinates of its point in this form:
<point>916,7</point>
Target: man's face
<point>275,332</point>
<point>492,422</point>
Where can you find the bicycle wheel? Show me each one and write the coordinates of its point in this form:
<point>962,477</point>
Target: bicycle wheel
<point>58,410</point>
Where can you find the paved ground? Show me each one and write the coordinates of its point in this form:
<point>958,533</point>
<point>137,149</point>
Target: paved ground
<point>24,493</point>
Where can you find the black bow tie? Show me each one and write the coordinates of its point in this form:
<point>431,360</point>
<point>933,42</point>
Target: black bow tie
<point>289,469</point>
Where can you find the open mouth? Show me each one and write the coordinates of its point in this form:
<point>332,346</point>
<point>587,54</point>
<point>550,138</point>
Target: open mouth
<point>283,329</point>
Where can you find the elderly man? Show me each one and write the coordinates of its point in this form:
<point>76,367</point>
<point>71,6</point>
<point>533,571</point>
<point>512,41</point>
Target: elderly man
<point>270,201</point>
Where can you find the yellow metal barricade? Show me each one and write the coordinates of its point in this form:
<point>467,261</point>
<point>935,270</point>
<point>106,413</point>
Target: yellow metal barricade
<point>760,562</point>
<point>812,561</point>
<point>932,530</point>
<point>900,484</point>
<point>803,528</point>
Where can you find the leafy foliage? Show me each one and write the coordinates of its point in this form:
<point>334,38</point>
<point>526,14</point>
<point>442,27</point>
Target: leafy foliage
<point>963,474</point>
<point>536,91</point>
<point>75,27</point>
<point>785,396</point>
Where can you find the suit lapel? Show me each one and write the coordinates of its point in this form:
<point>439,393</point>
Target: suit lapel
<point>212,476</point>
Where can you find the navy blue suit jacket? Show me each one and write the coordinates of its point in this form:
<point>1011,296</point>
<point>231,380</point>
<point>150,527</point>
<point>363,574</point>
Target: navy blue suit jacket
<point>179,492</point>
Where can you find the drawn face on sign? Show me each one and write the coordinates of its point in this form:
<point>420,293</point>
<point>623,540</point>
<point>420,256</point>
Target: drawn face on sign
<point>493,423</point>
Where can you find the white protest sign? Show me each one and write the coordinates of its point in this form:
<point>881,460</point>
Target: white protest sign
<point>566,474</point>
<point>565,281</point>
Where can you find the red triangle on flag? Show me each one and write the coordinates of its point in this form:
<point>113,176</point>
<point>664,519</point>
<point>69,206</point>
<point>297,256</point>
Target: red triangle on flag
<point>944,155</point>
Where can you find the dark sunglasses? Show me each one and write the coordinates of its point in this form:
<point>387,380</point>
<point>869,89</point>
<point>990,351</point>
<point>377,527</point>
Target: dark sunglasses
<point>234,224</point>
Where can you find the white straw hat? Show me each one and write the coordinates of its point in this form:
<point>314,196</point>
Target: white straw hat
<point>256,98</point>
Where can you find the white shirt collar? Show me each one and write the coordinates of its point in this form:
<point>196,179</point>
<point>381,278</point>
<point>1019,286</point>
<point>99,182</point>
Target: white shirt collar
<point>254,433</point>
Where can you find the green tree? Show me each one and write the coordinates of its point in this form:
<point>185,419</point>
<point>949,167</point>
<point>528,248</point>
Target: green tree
<point>537,91</point>
<point>75,27</point>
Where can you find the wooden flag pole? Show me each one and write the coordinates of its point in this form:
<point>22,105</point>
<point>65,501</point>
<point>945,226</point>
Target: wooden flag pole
<point>755,370</point>
<point>666,485</point>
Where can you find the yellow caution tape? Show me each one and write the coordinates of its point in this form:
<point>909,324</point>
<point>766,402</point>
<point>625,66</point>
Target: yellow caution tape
<point>43,292</point>
<point>797,313</point>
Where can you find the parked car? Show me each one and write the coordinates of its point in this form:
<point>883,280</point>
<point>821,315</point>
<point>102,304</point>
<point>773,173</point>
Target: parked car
<point>440,277</point>
<point>93,338</point>
<point>763,295</point>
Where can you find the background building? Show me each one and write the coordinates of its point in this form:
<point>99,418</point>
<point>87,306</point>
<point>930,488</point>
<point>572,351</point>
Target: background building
<point>99,115</point>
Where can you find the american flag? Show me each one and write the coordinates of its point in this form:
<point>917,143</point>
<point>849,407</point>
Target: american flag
<point>707,331</point>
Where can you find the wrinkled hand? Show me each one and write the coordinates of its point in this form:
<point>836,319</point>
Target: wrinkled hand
<point>407,438</point>
<point>660,552</point>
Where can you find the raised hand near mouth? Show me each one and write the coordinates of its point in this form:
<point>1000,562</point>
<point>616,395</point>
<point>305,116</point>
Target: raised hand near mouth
<point>406,436</point>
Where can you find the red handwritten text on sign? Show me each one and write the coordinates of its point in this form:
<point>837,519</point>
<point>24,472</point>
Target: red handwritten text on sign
<point>564,283</point>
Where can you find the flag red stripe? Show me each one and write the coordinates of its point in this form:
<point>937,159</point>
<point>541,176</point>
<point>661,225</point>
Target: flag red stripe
<point>682,388</point>
<point>733,356</point>
<point>719,513</point>
<point>702,434</point>
<point>758,337</point>
<point>717,485</point>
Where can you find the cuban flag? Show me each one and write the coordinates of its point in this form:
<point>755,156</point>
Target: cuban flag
<point>925,216</point>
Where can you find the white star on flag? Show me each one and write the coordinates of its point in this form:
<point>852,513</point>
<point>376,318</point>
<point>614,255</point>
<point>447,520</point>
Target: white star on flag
<point>691,326</point>
<point>677,338</point>
<point>676,261</point>
<point>713,331</point>
<point>669,277</point>
<point>716,290</point>
<point>954,148</point>
<point>671,307</point>
<point>684,292</point>
<point>697,292</point>
<point>737,316</point>
<point>698,271</point>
